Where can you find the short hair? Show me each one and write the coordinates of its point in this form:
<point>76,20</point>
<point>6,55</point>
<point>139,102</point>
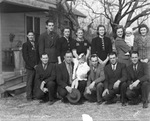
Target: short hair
<point>30,31</point>
<point>134,52</point>
<point>68,51</point>
<point>49,21</point>
<point>120,27</point>
<point>113,53</point>
<point>62,31</point>
<point>143,26</point>
<point>44,53</point>
<point>93,56</point>
<point>99,27</point>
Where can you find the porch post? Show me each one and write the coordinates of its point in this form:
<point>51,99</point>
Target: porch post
<point>1,77</point>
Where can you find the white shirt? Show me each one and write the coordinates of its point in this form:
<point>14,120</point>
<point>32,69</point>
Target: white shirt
<point>114,66</point>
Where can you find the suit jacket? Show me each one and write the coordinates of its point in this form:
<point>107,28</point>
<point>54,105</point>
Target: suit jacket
<point>49,74</point>
<point>141,73</point>
<point>30,55</point>
<point>47,43</point>
<point>96,47</point>
<point>63,75</point>
<point>62,46</point>
<point>97,76</point>
<point>112,76</point>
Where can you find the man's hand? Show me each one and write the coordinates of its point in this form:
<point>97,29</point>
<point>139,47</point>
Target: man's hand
<point>35,66</point>
<point>91,86</point>
<point>69,89</point>
<point>42,87</point>
<point>134,84</point>
<point>88,91</point>
<point>144,60</point>
<point>116,84</point>
<point>106,91</point>
<point>130,86</point>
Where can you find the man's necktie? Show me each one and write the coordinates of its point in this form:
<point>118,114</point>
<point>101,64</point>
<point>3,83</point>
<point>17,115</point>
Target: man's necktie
<point>45,66</point>
<point>70,73</point>
<point>113,67</point>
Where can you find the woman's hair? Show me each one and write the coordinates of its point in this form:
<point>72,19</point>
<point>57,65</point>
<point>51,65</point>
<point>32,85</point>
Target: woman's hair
<point>143,26</point>
<point>99,27</point>
<point>120,27</point>
<point>79,29</point>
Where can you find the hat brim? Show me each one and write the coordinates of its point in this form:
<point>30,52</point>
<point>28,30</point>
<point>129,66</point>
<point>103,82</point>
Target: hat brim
<point>75,99</point>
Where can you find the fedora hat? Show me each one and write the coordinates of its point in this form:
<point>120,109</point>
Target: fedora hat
<point>74,96</point>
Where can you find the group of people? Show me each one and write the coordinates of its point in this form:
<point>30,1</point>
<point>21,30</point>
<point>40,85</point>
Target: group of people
<point>75,70</point>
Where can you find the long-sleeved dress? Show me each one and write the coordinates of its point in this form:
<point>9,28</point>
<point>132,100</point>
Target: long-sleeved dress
<point>142,45</point>
<point>122,48</point>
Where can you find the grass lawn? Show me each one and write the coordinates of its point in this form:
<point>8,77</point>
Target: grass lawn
<point>19,109</point>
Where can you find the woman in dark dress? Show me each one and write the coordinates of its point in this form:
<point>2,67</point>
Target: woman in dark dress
<point>80,45</point>
<point>63,44</point>
<point>101,45</point>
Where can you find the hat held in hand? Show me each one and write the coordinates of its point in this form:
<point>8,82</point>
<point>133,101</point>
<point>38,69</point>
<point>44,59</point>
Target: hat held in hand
<point>74,96</point>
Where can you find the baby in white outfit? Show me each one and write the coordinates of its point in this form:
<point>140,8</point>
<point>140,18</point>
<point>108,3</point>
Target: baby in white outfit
<point>80,70</point>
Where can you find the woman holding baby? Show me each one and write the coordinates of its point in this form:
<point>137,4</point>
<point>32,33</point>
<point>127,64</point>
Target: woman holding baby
<point>124,44</point>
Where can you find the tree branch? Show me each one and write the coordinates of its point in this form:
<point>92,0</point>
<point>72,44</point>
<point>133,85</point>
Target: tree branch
<point>144,13</point>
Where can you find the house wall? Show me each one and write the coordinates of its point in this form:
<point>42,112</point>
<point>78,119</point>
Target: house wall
<point>16,23</point>
<point>12,23</point>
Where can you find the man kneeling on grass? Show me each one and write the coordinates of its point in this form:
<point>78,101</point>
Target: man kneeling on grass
<point>138,81</point>
<point>45,80</point>
<point>95,81</point>
<point>115,80</point>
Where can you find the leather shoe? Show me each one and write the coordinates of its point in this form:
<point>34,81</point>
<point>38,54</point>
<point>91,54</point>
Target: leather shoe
<point>64,100</point>
<point>99,102</point>
<point>124,104</point>
<point>109,102</point>
<point>133,102</point>
<point>43,101</point>
<point>51,102</point>
<point>145,104</point>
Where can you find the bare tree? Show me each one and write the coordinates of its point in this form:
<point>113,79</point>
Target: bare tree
<point>117,10</point>
<point>66,9</point>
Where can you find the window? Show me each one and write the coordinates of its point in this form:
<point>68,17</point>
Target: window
<point>33,24</point>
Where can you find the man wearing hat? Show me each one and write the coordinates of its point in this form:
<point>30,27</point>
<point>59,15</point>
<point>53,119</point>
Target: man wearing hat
<point>64,80</point>
<point>96,77</point>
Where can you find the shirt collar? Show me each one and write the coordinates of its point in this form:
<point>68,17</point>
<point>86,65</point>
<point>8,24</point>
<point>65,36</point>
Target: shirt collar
<point>49,32</point>
<point>66,38</point>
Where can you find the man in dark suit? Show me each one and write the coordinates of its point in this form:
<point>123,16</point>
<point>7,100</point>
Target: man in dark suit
<point>64,77</point>
<point>30,56</point>
<point>47,42</point>
<point>138,81</point>
<point>96,77</point>
<point>63,44</point>
<point>115,80</point>
<point>45,80</point>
